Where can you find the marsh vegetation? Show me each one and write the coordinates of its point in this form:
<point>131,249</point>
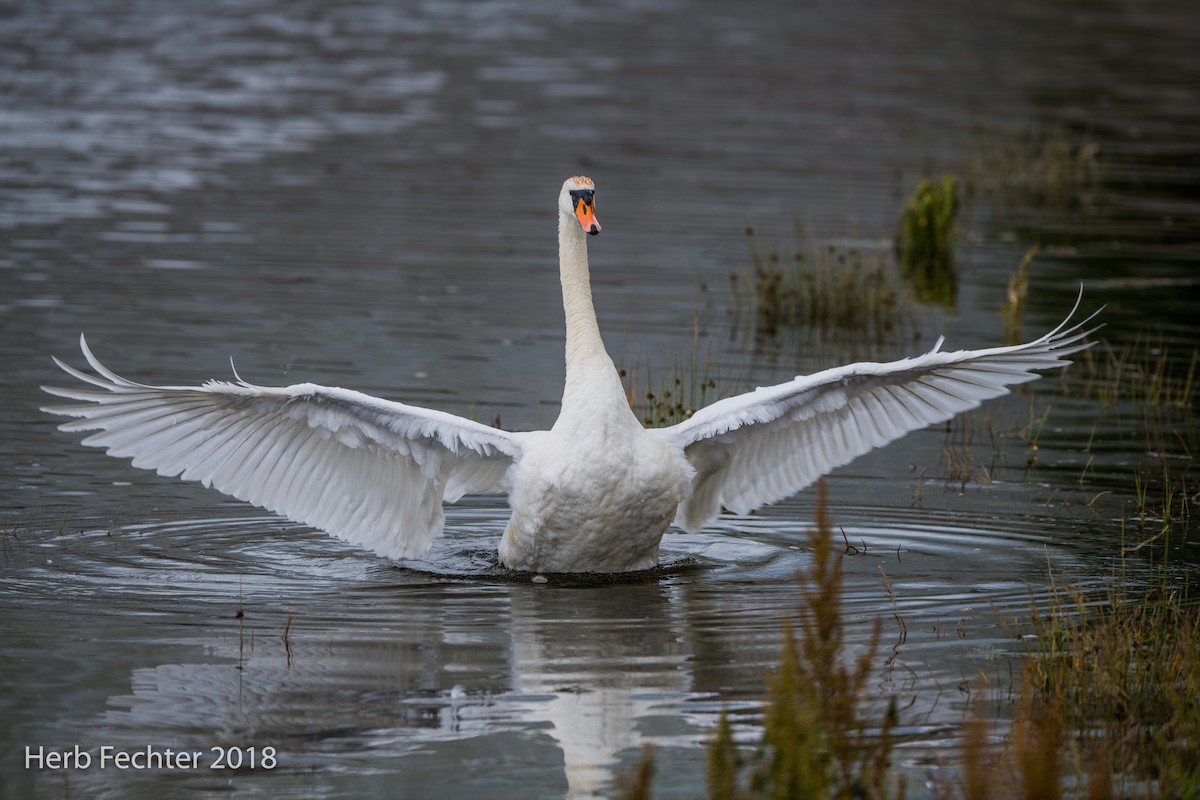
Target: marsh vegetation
<point>1102,706</point>
<point>925,240</point>
<point>1101,700</point>
<point>827,286</point>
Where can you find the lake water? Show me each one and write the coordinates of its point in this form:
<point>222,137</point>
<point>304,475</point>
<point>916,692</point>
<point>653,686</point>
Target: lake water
<point>363,195</point>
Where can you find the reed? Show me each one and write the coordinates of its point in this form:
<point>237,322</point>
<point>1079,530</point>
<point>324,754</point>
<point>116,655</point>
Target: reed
<point>687,383</point>
<point>1012,311</point>
<point>638,783</point>
<point>828,288</point>
<point>1144,372</point>
<point>1057,167</point>
<point>1119,676</point>
<point>925,240</point>
<point>820,737</point>
<point>1107,704</point>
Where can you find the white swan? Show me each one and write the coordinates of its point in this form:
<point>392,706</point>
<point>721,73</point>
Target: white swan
<point>595,493</point>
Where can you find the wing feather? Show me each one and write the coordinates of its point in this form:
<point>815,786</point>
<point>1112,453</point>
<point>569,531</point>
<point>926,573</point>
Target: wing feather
<point>764,445</point>
<point>369,471</point>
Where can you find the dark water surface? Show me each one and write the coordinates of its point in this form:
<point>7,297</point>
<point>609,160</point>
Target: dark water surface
<point>363,195</point>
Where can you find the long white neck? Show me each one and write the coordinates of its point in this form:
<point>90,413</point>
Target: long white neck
<point>589,368</point>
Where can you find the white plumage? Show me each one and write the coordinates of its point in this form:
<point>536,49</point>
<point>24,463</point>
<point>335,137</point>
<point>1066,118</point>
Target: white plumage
<point>595,493</point>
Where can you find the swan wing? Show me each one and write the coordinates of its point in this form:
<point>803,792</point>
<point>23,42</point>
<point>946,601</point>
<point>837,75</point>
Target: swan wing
<point>761,446</point>
<point>366,470</point>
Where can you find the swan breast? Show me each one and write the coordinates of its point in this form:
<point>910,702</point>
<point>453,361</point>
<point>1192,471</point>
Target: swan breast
<point>595,499</point>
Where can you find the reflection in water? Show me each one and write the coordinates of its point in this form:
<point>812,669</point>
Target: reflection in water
<point>580,666</point>
<point>603,671</point>
<point>352,669</point>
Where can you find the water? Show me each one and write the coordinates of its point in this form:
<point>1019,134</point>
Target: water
<point>362,195</point>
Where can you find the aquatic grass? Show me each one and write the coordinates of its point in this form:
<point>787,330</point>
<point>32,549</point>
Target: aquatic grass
<point>1012,311</point>
<point>819,739</point>
<point>1056,167</point>
<point>1120,675</point>
<point>1106,705</point>
<point>1144,372</point>
<point>957,454</point>
<point>825,287</point>
<point>638,783</point>
<point>1164,503</point>
<point>971,435</point>
<point>890,589</point>
<point>1153,394</point>
<point>1103,702</point>
<point>925,240</point>
<point>675,399</point>
<point>1032,433</point>
<point>686,384</point>
<point>1144,377</point>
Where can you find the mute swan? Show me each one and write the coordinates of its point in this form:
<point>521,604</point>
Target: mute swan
<point>595,493</point>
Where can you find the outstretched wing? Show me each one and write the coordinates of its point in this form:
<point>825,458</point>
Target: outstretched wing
<point>759,447</point>
<point>366,470</point>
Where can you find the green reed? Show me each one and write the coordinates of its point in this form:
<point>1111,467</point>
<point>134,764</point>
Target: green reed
<point>925,240</point>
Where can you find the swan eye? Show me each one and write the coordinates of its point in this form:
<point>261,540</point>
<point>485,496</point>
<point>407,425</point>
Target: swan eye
<point>583,204</point>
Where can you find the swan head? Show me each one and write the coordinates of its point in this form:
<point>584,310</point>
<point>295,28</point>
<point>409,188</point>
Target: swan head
<point>578,200</point>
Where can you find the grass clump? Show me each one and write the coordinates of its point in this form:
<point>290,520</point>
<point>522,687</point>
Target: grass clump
<point>1152,392</point>
<point>827,288</point>
<point>1145,372</point>
<point>865,290</point>
<point>819,739</point>
<point>672,398</point>
<point>1012,311</point>
<point>1119,680</point>
<point>925,241</point>
<point>1107,706</point>
<point>1058,168</point>
<point>1164,506</point>
<point>680,390</point>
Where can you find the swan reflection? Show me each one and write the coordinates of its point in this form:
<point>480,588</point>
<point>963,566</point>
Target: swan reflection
<point>513,676</point>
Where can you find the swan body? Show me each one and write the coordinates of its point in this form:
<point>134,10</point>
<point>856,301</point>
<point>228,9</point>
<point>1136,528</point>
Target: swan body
<point>595,493</point>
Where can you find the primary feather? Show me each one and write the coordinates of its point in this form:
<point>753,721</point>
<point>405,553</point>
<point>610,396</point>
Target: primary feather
<point>759,447</point>
<point>369,471</point>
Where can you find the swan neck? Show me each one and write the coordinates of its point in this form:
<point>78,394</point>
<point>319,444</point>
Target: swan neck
<point>589,367</point>
<point>583,333</point>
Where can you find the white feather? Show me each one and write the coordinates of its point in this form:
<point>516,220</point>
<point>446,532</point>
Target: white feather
<point>366,470</point>
<point>761,446</point>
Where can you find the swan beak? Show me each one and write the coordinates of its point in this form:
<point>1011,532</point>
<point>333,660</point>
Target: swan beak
<point>585,212</point>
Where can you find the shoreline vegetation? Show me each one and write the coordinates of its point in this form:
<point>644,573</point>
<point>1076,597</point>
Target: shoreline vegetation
<point>1105,704</point>
<point>1105,697</point>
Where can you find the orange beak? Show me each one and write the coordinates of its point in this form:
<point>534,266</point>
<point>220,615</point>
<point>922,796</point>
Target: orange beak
<point>585,212</point>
